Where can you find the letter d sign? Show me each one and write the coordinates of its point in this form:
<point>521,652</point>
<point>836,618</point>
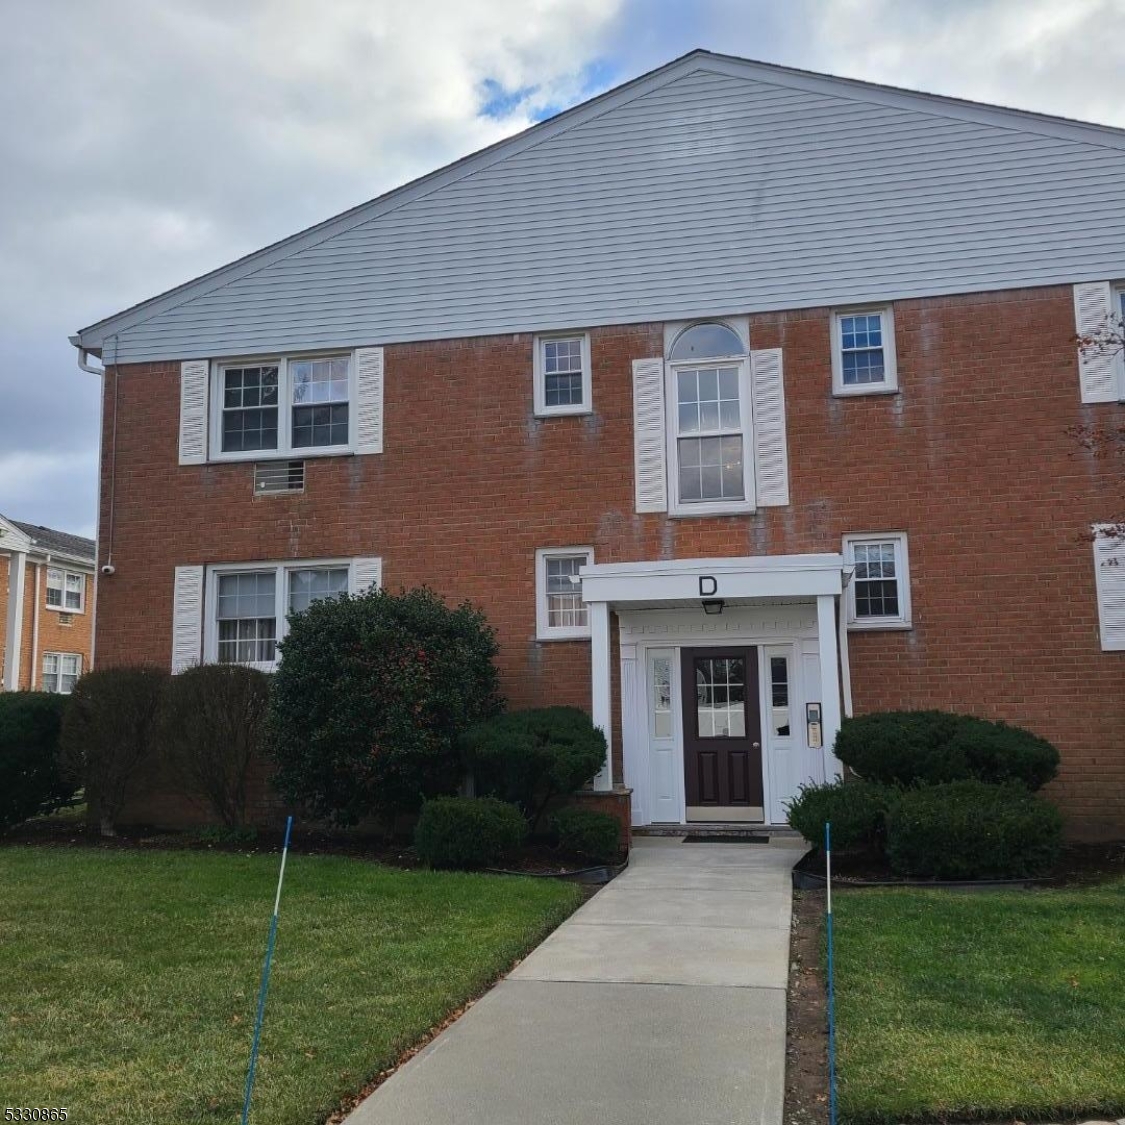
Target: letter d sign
<point>708,586</point>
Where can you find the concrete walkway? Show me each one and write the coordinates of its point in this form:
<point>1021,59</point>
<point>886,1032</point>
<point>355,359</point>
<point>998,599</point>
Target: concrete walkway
<point>660,1002</point>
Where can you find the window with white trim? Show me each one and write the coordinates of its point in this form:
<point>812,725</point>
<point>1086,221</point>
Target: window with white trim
<point>66,590</point>
<point>710,447</point>
<point>61,671</point>
<point>562,374</point>
<point>250,606</point>
<point>282,406</point>
<point>879,591</point>
<point>561,614</point>
<point>863,352</point>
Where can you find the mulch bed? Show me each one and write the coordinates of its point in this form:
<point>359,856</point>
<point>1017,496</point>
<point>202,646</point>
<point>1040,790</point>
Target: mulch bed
<point>806,1029</point>
<point>1080,865</point>
<point>535,858</point>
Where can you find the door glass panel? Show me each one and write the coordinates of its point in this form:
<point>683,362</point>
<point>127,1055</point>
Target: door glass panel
<point>720,697</point>
<point>779,696</point>
<point>662,697</point>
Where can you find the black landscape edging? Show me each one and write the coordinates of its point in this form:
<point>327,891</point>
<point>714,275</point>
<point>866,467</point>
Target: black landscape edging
<point>595,876</point>
<point>805,880</point>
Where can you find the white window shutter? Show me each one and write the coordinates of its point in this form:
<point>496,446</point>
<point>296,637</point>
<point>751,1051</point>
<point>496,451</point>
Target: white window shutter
<point>366,574</point>
<point>194,374</point>
<point>649,447</point>
<point>1097,371</point>
<point>771,457</point>
<point>187,617</point>
<point>1109,576</point>
<point>369,400</point>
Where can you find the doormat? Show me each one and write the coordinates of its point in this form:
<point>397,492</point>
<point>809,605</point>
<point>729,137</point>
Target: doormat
<point>726,840</point>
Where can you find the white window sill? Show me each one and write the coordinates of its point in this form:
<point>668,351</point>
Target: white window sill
<point>864,392</point>
<point>63,609</point>
<point>274,455</point>
<point>876,625</point>
<point>564,411</point>
<point>705,512</point>
<point>584,635</point>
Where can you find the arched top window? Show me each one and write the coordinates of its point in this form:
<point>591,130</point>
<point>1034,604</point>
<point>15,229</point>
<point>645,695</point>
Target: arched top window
<point>709,340</point>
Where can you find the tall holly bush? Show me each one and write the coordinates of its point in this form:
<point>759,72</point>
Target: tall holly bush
<point>370,696</point>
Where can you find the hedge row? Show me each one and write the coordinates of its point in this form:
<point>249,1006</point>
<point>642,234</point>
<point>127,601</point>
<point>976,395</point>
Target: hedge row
<point>939,795</point>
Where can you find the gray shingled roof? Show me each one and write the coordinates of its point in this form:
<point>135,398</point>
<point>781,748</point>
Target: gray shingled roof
<point>48,539</point>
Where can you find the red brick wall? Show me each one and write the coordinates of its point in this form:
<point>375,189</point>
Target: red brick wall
<point>971,459</point>
<point>53,635</point>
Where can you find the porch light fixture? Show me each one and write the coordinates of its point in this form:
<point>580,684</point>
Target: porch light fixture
<point>713,606</point>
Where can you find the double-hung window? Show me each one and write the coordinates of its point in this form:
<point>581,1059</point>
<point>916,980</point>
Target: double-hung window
<point>290,406</point>
<point>710,424</point>
<point>561,614</point>
<point>66,590</point>
<point>61,671</point>
<point>879,592</point>
<point>251,606</point>
<point>863,352</point>
<point>562,374</point>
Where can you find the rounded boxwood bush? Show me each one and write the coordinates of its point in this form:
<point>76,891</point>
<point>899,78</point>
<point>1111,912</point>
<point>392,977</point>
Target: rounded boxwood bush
<point>31,780</point>
<point>929,747</point>
<point>972,830</point>
<point>530,757</point>
<point>593,835</point>
<point>369,698</point>
<point>468,831</point>
<point>856,809</point>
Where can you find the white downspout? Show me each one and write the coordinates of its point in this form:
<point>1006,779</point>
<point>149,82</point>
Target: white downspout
<point>35,629</point>
<point>83,357</point>
<point>845,663</point>
<point>17,568</point>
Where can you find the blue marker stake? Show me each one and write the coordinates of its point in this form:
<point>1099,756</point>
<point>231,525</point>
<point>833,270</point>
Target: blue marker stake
<point>265,985</point>
<point>831,982</point>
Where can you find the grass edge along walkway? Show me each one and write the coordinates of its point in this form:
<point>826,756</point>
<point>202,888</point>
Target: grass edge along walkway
<point>130,977</point>
<point>995,1005</point>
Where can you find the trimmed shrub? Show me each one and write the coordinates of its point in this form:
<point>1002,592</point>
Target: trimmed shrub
<point>856,809</point>
<point>530,757</point>
<point>31,781</point>
<point>213,726</point>
<point>931,747</point>
<point>585,832</point>
<point>972,830</point>
<point>369,698</point>
<point>110,735</point>
<point>468,832</point>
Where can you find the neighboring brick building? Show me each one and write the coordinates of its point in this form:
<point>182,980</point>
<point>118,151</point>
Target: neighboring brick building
<point>737,378</point>
<point>46,605</point>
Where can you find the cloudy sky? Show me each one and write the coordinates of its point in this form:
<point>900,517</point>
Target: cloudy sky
<point>147,141</point>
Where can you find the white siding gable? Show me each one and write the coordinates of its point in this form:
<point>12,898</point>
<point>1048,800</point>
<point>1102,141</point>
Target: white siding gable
<point>708,186</point>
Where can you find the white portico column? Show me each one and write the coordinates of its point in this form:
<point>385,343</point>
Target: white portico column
<point>829,680</point>
<point>13,634</point>
<point>601,687</point>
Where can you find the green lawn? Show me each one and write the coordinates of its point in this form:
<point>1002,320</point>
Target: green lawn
<point>1003,1004</point>
<point>128,980</point>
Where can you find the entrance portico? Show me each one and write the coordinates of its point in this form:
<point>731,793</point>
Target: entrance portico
<point>734,678</point>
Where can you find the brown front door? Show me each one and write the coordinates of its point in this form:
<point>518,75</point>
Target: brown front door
<point>722,734</point>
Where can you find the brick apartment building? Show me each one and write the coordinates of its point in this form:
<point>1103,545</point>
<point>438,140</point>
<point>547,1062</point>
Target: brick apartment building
<point>46,607</point>
<point>738,397</point>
